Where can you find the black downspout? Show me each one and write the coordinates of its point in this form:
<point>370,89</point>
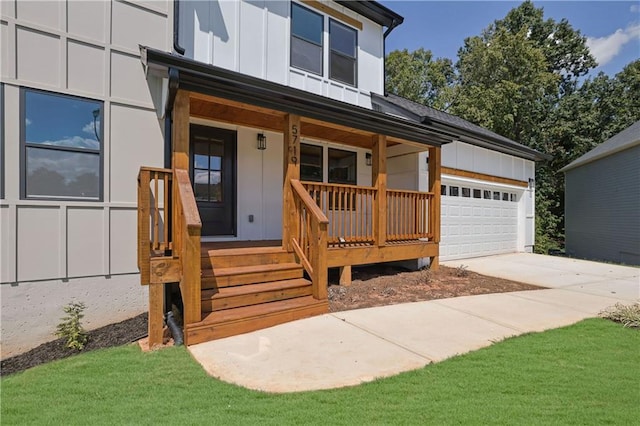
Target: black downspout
<point>176,26</point>
<point>394,24</point>
<point>168,130</point>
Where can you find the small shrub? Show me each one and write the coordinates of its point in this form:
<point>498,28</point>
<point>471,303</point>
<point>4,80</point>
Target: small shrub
<point>627,315</point>
<point>70,327</point>
<point>425,276</point>
<point>461,271</point>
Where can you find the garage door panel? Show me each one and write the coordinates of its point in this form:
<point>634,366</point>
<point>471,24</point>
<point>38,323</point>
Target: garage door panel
<point>473,227</point>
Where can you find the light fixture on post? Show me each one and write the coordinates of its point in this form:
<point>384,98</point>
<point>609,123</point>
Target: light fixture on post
<point>367,158</point>
<point>262,142</point>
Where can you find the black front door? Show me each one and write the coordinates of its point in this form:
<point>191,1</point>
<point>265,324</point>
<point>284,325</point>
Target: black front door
<point>213,173</point>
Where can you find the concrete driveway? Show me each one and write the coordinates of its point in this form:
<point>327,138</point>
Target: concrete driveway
<point>349,348</point>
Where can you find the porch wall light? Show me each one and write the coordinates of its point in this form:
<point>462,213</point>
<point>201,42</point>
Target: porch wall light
<point>262,142</point>
<point>367,158</point>
<point>532,183</point>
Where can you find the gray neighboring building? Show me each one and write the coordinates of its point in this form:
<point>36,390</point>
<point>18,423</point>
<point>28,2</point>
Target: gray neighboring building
<point>602,200</point>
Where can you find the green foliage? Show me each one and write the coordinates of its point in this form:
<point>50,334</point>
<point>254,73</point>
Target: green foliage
<point>420,78</point>
<point>627,315</point>
<point>572,375</point>
<point>70,326</point>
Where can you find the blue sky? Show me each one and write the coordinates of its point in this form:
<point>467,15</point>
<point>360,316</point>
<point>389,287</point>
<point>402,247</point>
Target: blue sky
<point>612,27</point>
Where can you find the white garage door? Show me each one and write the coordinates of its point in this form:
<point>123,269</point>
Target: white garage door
<point>478,220</point>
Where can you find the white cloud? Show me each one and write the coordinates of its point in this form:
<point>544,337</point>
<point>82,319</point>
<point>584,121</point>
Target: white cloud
<point>27,122</point>
<point>604,49</point>
<point>90,126</point>
<point>635,8</point>
<point>74,141</point>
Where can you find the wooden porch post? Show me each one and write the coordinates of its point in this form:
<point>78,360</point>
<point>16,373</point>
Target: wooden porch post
<point>379,181</point>
<point>435,163</point>
<point>180,136</point>
<point>291,171</point>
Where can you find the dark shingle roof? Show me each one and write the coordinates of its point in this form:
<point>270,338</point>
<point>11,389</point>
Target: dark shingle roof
<point>467,131</point>
<point>626,139</point>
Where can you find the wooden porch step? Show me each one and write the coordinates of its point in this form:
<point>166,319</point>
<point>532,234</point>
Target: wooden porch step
<point>230,322</point>
<point>253,294</point>
<point>227,277</point>
<point>246,256</point>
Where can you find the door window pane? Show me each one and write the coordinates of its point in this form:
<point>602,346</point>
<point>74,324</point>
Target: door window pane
<point>477,193</point>
<point>207,170</point>
<point>454,191</point>
<point>62,140</point>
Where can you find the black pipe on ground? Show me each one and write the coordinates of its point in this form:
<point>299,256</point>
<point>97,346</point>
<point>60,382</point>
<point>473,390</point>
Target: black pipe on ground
<point>174,328</point>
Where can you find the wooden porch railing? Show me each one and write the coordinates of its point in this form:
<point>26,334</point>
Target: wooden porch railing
<point>309,238</point>
<point>154,202</point>
<point>349,209</point>
<point>408,215</point>
<point>168,243</point>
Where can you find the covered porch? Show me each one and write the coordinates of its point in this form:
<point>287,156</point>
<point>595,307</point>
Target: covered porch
<point>323,224</point>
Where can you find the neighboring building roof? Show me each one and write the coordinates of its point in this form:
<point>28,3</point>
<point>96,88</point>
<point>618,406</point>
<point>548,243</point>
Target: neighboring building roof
<point>374,11</point>
<point>216,81</point>
<point>626,139</point>
<point>467,131</point>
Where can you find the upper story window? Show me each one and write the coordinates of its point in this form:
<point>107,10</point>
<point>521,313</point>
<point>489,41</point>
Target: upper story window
<point>61,141</point>
<point>307,32</point>
<point>307,45</point>
<point>343,42</point>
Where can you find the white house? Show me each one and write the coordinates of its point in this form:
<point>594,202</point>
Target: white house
<point>146,142</point>
<point>602,200</point>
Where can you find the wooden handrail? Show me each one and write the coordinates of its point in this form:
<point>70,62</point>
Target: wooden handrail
<point>309,240</point>
<point>301,192</point>
<point>166,197</point>
<point>187,231</point>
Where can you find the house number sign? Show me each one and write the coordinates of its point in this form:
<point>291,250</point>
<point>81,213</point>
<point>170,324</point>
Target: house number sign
<point>293,149</point>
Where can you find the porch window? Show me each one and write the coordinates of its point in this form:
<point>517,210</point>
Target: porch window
<point>307,29</point>
<point>61,144</point>
<point>342,166</point>
<point>342,170</point>
<point>310,162</point>
<point>343,42</point>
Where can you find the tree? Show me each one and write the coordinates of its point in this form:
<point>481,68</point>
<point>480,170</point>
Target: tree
<point>420,78</point>
<point>523,77</point>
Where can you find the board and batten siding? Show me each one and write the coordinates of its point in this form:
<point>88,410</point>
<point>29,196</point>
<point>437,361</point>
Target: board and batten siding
<point>53,252</point>
<point>602,208</point>
<point>253,38</point>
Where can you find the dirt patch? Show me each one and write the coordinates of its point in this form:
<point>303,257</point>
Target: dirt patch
<point>376,285</point>
<point>389,285</point>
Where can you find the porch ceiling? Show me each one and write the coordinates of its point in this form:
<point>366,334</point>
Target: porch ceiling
<point>242,114</point>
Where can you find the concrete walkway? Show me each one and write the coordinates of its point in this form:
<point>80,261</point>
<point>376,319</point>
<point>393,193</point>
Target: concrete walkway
<point>348,348</point>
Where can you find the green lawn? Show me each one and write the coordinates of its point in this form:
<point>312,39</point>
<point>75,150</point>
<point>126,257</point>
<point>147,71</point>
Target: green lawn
<point>584,374</point>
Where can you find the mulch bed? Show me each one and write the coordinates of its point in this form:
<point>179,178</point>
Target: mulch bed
<point>376,285</point>
<point>105,337</point>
